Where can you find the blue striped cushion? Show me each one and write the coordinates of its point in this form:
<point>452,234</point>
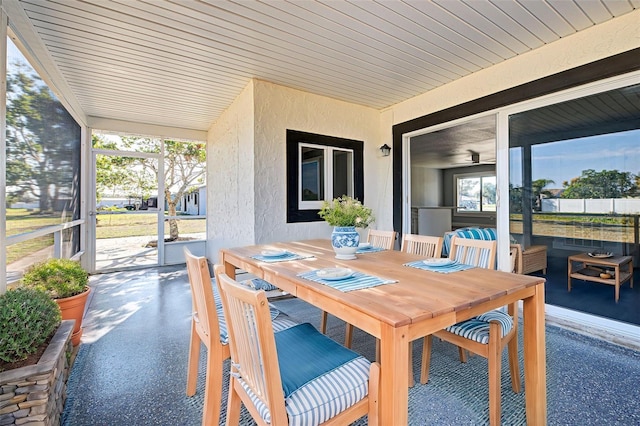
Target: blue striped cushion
<point>305,342</point>
<point>477,328</point>
<point>280,321</point>
<point>483,261</point>
<point>260,284</point>
<point>471,233</point>
<point>477,233</point>
<point>324,397</point>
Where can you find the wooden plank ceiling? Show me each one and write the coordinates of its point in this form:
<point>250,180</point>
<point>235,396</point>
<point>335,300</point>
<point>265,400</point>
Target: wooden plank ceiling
<point>182,62</point>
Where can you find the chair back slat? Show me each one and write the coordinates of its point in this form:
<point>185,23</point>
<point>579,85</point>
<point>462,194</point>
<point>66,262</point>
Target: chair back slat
<point>252,344</point>
<point>384,239</point>
<point>204,307</point>
<point>479,253</point>
<point>422,245</point>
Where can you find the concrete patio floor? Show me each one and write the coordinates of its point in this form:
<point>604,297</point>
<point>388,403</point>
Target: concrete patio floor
<point>131,366</point>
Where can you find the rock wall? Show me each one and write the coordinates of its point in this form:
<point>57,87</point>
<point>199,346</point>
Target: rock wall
<point>34,395</point>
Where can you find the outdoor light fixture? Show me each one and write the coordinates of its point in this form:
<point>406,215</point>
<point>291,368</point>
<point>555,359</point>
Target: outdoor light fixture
<point>385,149</point>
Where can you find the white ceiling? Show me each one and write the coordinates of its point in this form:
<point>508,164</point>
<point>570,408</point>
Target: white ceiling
<point>181,63</point>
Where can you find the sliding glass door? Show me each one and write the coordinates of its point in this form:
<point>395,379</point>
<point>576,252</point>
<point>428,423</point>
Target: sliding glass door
<point>574,187</point>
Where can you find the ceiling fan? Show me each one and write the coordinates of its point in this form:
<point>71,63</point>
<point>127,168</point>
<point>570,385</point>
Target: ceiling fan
<point>474,159</point>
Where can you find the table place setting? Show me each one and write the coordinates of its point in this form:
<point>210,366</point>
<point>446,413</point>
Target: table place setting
<point>442,265</point>
<point>276,255</point>
<point>344,279</point>
<point>367,248</point>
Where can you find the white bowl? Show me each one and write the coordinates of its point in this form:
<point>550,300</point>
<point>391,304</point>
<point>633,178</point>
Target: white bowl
<point>273,253</point>
<point>334,273</point>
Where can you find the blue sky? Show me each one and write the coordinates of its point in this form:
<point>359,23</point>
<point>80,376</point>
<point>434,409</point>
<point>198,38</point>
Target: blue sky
<point>564,160</point>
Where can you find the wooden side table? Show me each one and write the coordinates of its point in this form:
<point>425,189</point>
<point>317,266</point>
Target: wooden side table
<point>590,268</point>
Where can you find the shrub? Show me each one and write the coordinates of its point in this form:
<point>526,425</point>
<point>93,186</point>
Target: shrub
<point>28,317</point>
<point>59,278</point>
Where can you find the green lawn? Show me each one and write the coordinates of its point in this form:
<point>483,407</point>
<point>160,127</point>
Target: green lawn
<point>109,226</point>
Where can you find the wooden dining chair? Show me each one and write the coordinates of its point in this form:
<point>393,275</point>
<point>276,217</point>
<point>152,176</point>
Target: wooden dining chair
<point>322,381</point>
<point>207,327</point>
<point>383,239</point>
<point>423,245</point>
<point>377,238</point>
<point>486,334</point>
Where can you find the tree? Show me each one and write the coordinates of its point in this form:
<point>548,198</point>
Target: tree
<point>604,184</point>
<point>42,141</point>
<point>112,172</point>
<point>537,189</point>
<point>184,168</point>
<point>489,193</point>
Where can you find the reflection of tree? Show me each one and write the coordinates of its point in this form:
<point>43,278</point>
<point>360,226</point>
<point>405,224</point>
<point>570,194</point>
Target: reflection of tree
<point>42,141</point>
<point>603,184</point>
<point>489,192</point>
<point>515,199</point>
<point>537,189</point>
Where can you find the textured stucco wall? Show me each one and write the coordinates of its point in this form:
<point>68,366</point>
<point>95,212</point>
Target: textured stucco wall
<point>230,178</point>
<point>247,162</point>
<point>279,108</point>
<point>598,42</point>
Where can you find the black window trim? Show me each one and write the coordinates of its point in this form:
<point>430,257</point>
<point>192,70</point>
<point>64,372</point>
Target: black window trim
<point>294,138</point>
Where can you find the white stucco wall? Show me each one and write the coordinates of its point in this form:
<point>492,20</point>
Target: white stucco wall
<point>279,108</point>
<point>247,163</point>
<point>230,178</point>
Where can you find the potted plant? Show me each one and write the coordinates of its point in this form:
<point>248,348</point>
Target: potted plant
<point>65,281</point>
<point>35,347</point>
<point>346,214</point>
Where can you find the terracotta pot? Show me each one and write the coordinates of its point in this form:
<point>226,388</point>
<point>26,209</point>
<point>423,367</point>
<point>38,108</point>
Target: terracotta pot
<point>73,308</point>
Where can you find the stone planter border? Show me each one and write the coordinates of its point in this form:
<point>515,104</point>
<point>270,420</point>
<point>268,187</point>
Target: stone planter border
<point>34,395</point>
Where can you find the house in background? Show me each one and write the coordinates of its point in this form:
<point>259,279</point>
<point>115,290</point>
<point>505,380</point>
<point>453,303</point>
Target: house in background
<point>194,202</point>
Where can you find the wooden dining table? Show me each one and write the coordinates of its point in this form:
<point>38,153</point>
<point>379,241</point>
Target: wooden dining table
<point>419,303</point>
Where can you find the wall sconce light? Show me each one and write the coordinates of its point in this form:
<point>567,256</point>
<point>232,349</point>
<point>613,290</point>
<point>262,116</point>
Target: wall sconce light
<point>386,150</point>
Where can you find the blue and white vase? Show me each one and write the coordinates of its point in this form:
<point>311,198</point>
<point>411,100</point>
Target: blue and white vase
<point>345,240</point>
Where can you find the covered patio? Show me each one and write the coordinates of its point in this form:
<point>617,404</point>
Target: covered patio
<point>260,83</point>
<point>131,366</point>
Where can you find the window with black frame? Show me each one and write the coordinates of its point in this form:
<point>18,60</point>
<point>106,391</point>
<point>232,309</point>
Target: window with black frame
<point>320,168</point>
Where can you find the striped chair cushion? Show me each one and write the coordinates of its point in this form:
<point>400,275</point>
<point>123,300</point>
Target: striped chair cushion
<point>280,320</point>
<point>315,391</point>
<point>477,233</point>
<point>323,397</point>
<point>260,284</point>
<point>483,261</point>
<point>477,328</point>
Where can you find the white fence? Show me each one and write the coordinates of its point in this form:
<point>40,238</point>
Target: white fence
<point>596,206</point>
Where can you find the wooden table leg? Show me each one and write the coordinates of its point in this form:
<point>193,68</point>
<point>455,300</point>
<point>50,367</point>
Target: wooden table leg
<point>394,376</point>
<point>617,277</point>
<point>534,358</point>
<point>569,276</point>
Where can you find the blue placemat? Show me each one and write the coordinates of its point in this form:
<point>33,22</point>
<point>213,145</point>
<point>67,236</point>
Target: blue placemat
<point>370,249</point>
<point>445,269</point>
<point>357,281</point>
<point>287,256</point>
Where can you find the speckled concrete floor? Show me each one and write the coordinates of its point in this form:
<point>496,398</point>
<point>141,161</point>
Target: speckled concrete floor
<point>134,351</point>
<point>131,366</point>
